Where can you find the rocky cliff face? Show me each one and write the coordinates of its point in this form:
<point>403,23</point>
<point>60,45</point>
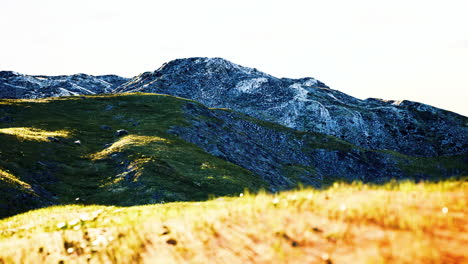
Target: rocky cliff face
<point>284,157</point>
<point>309,105</point>
<point>19,86</point>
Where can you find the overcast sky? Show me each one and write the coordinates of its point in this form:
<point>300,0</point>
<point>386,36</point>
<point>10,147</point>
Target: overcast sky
<point>400,49</point>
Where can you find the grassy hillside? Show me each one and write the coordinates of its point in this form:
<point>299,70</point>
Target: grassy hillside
<point>393,223</point>
<point>65,150</point>
<point>41,163</point>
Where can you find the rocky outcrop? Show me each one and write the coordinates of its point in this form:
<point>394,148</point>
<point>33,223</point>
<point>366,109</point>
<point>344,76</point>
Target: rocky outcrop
<point>19,86</point>
<point>283,157</point>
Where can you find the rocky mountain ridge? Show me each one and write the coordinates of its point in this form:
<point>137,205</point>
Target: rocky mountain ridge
<point>14,85</point>
<point>304,104</point>
<point>307,104</point>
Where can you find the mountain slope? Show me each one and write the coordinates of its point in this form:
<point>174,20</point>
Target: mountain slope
<point>308,105</point>
<point>55,150</point>
<point>148,165</point>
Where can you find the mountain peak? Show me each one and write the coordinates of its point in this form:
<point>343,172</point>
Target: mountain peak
<point>208,65</point>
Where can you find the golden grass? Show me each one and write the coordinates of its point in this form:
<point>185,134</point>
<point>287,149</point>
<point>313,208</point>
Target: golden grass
<point>13,180</point>
<point>127,141</point>
<point>395,223</point>
<point>29,133</point>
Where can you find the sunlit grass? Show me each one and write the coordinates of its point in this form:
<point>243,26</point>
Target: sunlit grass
<point>12,179</point>
<point>126,142</point>
<point>29,133</point>
<point>347,223</point>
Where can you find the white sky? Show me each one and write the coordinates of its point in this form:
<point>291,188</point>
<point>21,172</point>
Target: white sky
<point>400,49</point>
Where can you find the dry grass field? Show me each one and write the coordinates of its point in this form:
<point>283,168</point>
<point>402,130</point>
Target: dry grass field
<point>400,222</point>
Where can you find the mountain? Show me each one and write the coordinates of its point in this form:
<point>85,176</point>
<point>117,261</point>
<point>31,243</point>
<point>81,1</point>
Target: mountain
<point>206,126</point>
<point>19,86</point>
<point>303,104</point>
<point>308,105</point>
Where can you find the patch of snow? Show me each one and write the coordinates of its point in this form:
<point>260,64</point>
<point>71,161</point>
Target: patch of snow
<point>248,86</point>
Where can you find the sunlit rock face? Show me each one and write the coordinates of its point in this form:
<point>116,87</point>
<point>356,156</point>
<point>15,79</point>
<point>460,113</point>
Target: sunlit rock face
<point>14,85</point>
<point>309,105</point>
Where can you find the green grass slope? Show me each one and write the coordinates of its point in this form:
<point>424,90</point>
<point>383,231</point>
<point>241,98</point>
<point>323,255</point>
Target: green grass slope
<point>40,163</point>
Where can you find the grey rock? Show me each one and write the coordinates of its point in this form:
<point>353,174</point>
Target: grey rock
<point>77,142</point>
<point>121,132</point>
<point>106,127</point>
<point>53,139</point>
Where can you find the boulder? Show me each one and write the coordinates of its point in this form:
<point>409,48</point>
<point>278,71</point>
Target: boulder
<point>121,132</point>
<point>53,139</point>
